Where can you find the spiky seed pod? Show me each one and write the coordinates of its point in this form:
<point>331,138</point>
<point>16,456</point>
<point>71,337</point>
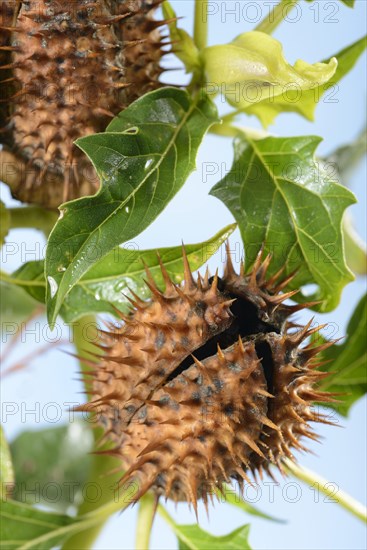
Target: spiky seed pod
<point>206,382</point>
<point>66,68</point>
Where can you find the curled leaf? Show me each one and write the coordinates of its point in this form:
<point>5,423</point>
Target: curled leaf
<point>304,101</point>
<point>252,68</point>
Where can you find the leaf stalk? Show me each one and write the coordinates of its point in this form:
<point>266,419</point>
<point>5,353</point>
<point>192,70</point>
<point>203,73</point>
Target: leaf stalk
<point>340,497</point>
<point>276,16</point>
<point>146,513</point>
<point>33,217</point>
<point>201,24</point>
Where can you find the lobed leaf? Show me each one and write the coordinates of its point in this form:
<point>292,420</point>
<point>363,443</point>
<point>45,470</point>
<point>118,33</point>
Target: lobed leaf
<point>143,159</point>
<point>295,99</point>
<point>107,284</point>
<point>283,200</point>
<point>254,76</point>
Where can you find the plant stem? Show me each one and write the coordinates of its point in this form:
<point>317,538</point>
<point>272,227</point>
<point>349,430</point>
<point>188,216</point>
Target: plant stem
<point>276,16</point>
<point>201,24</point>
<point>327,488</point>
<point>32,216</point>
<point>165,515</point>
<point>102,465</point>
<point>147,508</point>
<point>171,522</point>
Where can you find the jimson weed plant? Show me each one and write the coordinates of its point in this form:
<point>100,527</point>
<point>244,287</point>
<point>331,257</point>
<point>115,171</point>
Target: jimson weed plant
<point>196,383</point>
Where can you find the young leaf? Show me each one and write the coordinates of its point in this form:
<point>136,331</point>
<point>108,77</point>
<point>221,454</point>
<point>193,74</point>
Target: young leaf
<point>348,362</point>
<point>252,69</point>
<point>281,198</point>
<point>143,159</point>
<point>107,283</point>
<point>51,465</point>
<point>304,101</point>
<point>192,537</point>
<point>6,467</point>
<point>184,46</point>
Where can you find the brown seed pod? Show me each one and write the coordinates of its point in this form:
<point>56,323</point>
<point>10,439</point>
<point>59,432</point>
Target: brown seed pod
<point>66,68</point>
<point>206,382</point>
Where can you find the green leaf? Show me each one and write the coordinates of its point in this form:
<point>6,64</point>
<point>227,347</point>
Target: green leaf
<point>294,99</point>
<point>231,497</point>
<point>51,465</point>
<point>348,362</point>
<point>252,69</point>
<point>108,282</point>
<point>345,160</point>
<point>281,198</point>
<point>192,537</point>
<point>184,48</point>
<point>143,159</point>
<point>15,304</point>
<point>5,222</point>
<point>347,157</point>
<point>6,467</point>
<point>349,3</point>
<point>24,528</point>
<point>355,247</point>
